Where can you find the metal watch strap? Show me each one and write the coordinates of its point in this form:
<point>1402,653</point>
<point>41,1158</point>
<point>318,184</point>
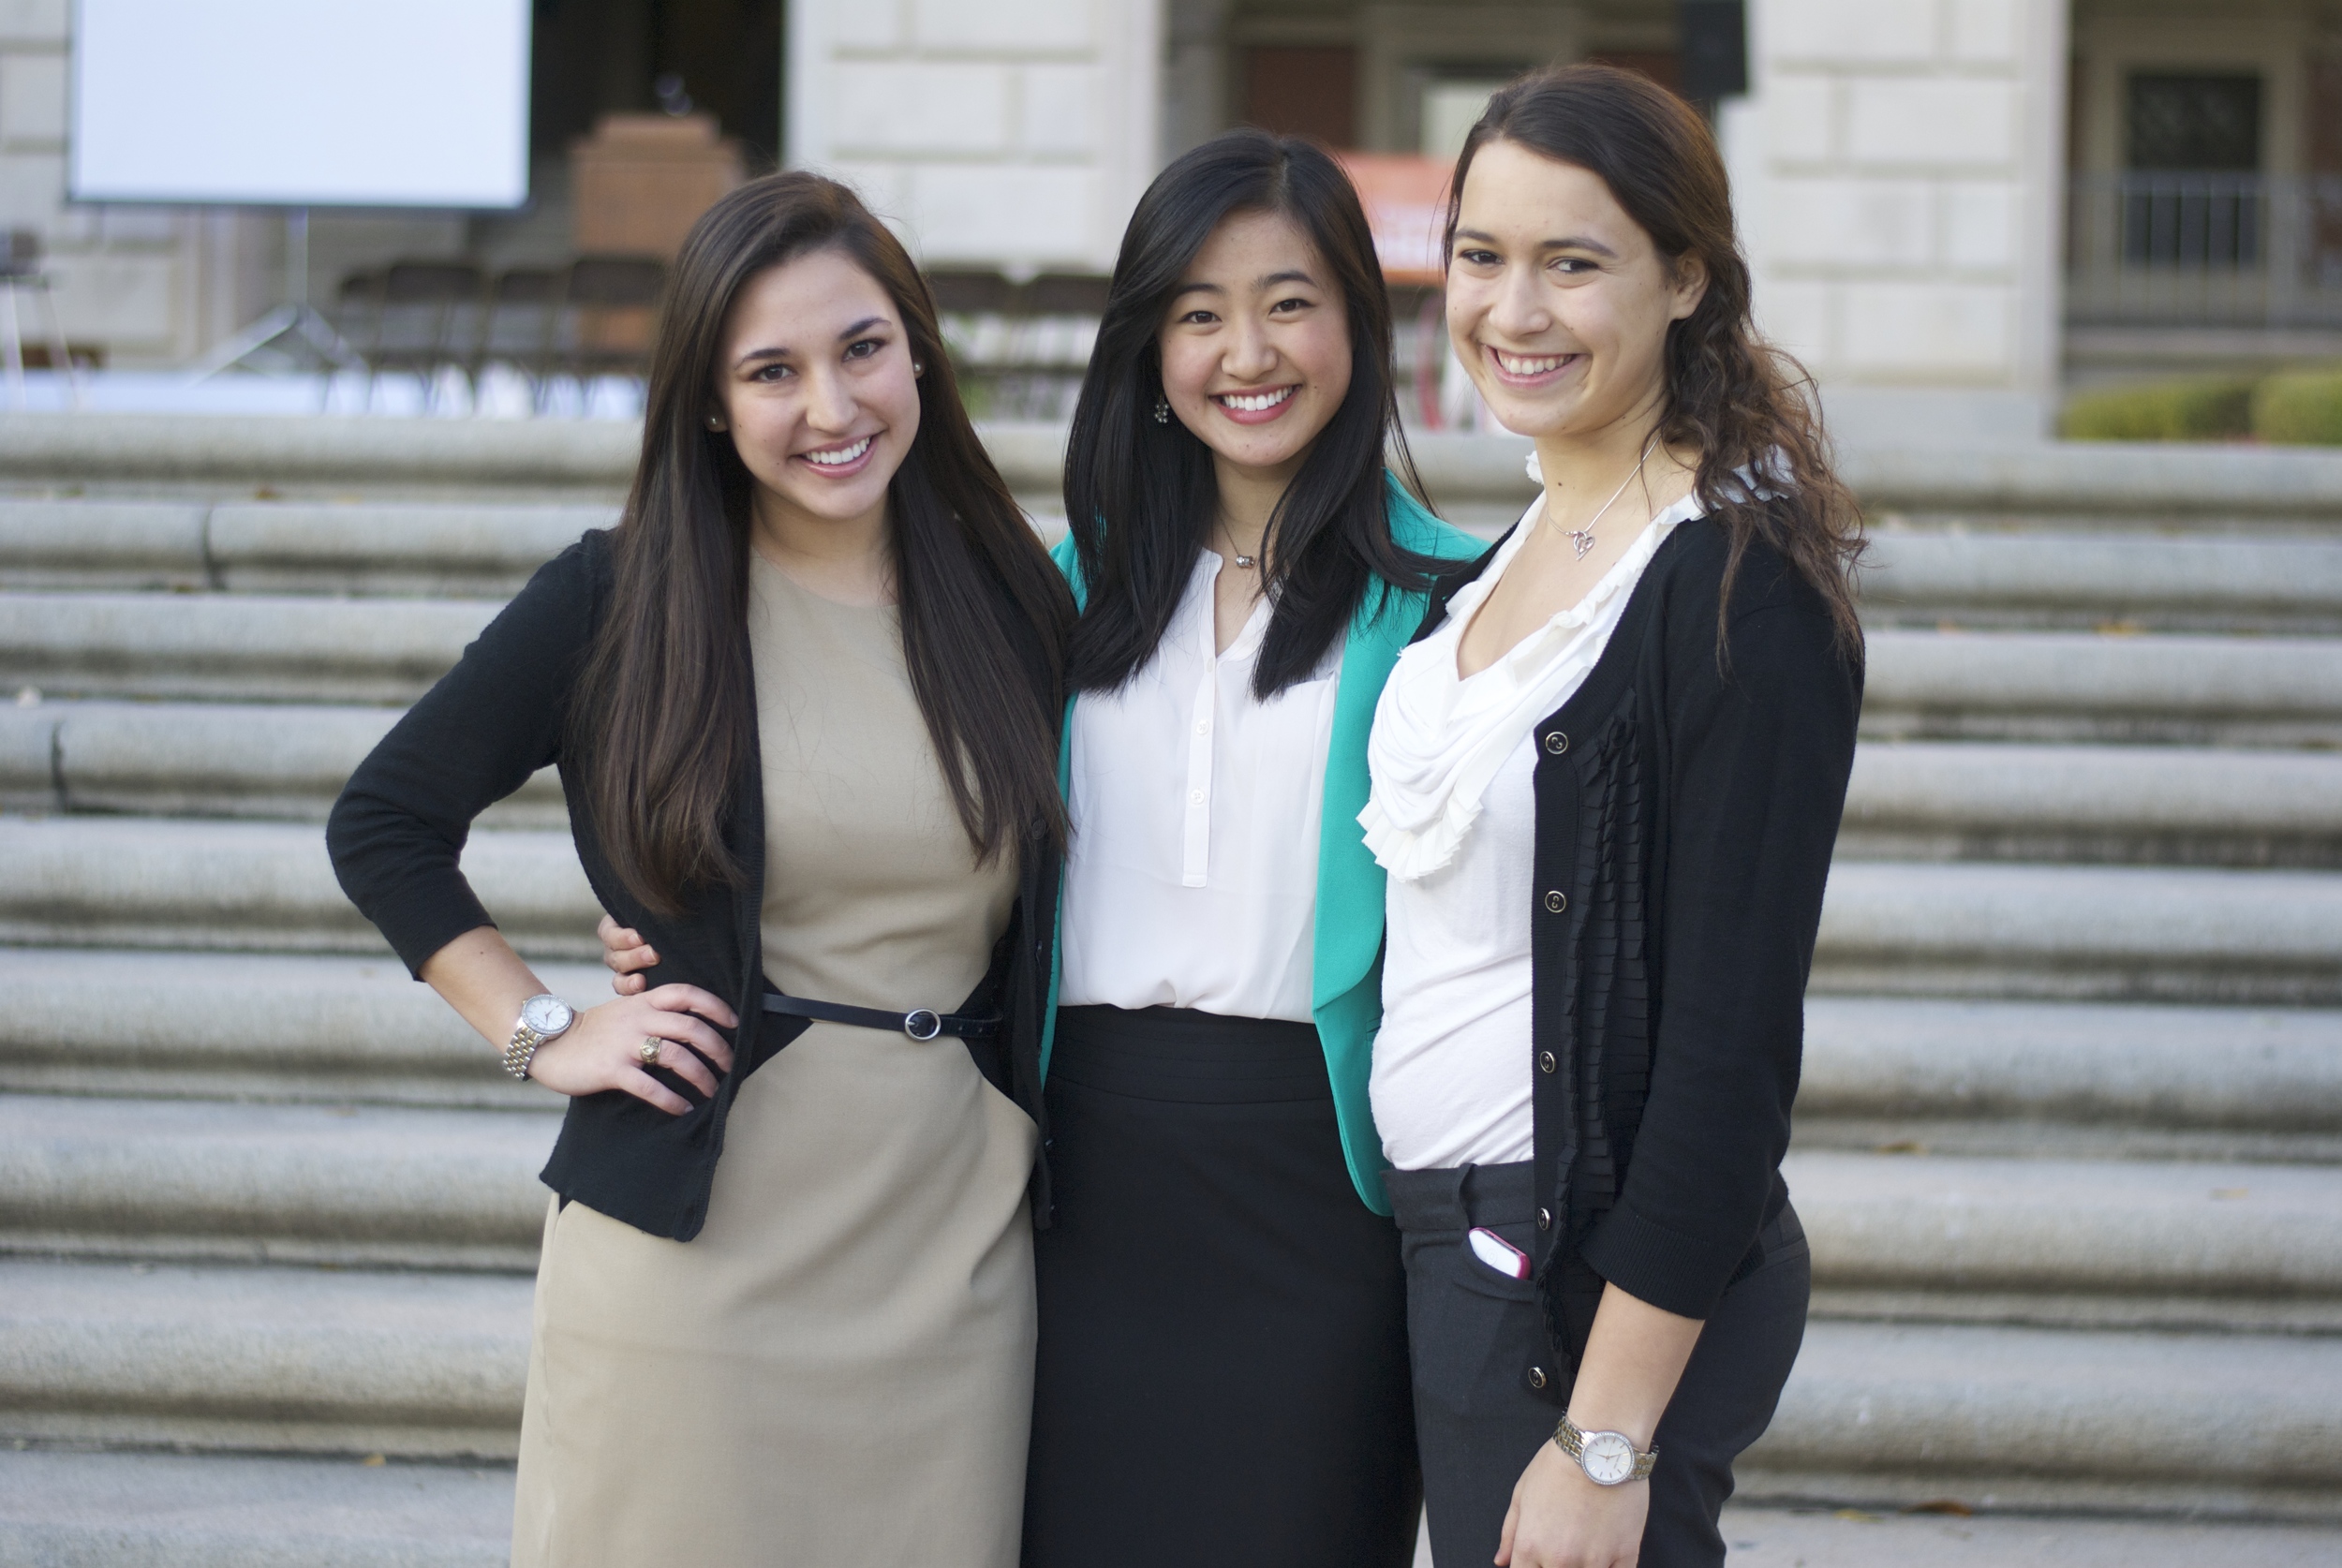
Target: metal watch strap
<point>1571,1439</point>
<point>522,1049</point>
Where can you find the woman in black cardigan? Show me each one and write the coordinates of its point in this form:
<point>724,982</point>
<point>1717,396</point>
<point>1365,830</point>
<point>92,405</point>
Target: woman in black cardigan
<point>804,703</point>
<point>1607,778</point>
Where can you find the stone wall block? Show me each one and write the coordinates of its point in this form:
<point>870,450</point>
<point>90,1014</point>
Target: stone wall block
<point>1987,30</point>
<point>1866,31</point>
<point>1921,330</point>
<point>1980,223</point>
<point>32,98</point>
<point>1794,314</point>
<point>1006,25</point>
<point>1039,216</point>
<point>872,25</point>
<point>908,106</point>
<point>1801,117</point>
<point>1851,222</point>
<point>1945,121</point>
<point>32,187</point>
<point>114,298</point>
<point>1060,109</point>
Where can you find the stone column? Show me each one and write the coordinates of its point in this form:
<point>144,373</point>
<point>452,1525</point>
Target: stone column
<point>1013,133</point>
<point>1899,168</point>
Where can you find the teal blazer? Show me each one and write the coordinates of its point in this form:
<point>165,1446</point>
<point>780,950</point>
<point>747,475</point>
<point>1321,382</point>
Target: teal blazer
<point>1346,975</point>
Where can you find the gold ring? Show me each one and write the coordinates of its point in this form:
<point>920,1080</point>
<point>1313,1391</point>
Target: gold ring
<point>649,1049</point>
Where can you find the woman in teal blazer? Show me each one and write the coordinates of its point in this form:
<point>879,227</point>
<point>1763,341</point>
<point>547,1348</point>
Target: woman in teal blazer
<point>1222,1375</point>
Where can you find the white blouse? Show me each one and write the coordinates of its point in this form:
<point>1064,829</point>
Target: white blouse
<point>1191,878</point>
<point>1453,816</point>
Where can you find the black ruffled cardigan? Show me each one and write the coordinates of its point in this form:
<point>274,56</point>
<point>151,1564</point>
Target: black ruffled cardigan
<point>1686,807</point>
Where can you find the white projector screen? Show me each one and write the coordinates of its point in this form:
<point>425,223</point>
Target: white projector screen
<point>315,103</point>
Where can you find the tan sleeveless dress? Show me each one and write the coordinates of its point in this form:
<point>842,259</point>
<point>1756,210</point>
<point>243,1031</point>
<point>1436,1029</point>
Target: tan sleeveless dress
<point>838,1370</point>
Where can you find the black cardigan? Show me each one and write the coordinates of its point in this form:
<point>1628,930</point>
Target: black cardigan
<point>399,828</point>
<point>1686,807</point>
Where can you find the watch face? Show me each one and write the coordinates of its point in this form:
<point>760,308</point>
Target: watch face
<point>1610,1459</point>
<point>546,1014</point>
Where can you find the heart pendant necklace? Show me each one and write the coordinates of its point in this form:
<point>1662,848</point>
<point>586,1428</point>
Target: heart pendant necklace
<point>1582,539</point>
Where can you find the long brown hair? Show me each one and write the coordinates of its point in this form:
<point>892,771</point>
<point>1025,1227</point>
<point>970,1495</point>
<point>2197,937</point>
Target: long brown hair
<point>665,715</point>
<point>1750,408</point>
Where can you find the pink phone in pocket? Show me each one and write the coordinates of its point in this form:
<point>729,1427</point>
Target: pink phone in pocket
<point>1498,1253</point>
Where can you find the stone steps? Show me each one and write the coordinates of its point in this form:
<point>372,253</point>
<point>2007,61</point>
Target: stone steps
<point>293,1360</point>
<point>2111,932</point>
<point>2009,686</point>
<point>129,881</point>
<point>2167,806</point>
<point>2153,1422</point>
<point>77,1509</point>
<point>1907,800</point>
<point>364,1186</point>
<point>284,761</point>
<point>284,1360</point>
<point>2069,1143</point>
<point>2081,932</point>
<point>2042,686</point>
<point>469,551</point>
<point>249,1027</point>
<point>369,1187</point>
<point>2040,578</point>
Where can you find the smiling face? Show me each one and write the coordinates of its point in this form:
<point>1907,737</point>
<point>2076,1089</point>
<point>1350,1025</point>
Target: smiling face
<point>1255,345</point>
<point>1558,302</point>
<point>815,383</point>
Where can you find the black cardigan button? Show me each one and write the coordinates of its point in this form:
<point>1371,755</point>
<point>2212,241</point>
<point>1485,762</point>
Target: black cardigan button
<point>1556,743</point>
<point>1545,1061</point>
<point>1545,1218</point>
<point>1536,1377</point>
<point>1555,902</point>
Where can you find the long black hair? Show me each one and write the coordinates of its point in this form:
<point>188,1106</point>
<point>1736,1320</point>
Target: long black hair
<point>666,710</point>
<point>1140,497</point>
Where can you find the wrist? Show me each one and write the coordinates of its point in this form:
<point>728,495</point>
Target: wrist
<point>1608,1456</point>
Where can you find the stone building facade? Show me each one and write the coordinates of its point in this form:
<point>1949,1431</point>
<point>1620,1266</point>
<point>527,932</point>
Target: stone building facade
<point>1955,208</point>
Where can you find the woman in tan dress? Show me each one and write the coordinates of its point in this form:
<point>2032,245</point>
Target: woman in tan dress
<point>803,701</point>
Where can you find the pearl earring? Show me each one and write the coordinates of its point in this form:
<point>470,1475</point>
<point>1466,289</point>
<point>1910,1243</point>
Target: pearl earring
<point>714,423</point>
<point>918,369</point>
<point>1162,411</point>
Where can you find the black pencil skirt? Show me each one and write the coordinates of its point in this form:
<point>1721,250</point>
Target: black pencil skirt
<point>1223,1371</point>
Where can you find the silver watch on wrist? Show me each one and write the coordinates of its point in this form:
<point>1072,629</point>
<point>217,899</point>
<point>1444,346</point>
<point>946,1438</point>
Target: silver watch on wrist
<point>1609,1458</point>
<point>543,1017</point>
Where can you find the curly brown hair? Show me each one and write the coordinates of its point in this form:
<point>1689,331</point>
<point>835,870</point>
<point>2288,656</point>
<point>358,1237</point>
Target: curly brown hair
<point>1749,408</point>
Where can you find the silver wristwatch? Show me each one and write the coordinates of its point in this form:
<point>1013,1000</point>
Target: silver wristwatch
<point>543,1017</point>
<point>1609,1458</point>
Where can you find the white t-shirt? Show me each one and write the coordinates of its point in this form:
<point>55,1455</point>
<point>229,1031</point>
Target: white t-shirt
<point>1191,878</point>
<point>1453,818</point>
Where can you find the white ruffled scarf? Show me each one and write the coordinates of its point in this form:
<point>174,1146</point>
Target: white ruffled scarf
<point>1439,739</point>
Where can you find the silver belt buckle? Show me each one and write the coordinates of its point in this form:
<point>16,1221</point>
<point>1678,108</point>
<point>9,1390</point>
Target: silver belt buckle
<point>922,1022</point>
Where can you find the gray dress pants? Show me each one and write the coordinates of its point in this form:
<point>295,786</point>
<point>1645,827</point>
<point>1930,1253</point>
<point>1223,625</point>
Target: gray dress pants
<point>1474,1333</point>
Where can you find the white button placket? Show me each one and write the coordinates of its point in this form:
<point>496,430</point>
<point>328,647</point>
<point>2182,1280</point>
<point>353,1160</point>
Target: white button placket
<point>1195,860</point>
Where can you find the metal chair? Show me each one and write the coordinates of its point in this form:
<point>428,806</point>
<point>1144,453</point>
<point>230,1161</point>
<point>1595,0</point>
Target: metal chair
<point>604,318</point>
<point>426,317</point>
<point>517,329</point>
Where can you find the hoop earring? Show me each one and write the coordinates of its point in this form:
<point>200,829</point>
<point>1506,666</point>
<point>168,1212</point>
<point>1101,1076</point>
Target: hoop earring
<point>1162,411</point>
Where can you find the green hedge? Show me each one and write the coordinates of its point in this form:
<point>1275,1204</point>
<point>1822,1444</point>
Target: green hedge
<point>2294,408</point>
<point>2199,409</point>
<point>2300,408</point>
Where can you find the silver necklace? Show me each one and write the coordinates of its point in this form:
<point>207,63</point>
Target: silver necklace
<point>1582,539</point>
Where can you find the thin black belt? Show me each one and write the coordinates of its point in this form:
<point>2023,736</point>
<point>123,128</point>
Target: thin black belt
<point>920,1023</point>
